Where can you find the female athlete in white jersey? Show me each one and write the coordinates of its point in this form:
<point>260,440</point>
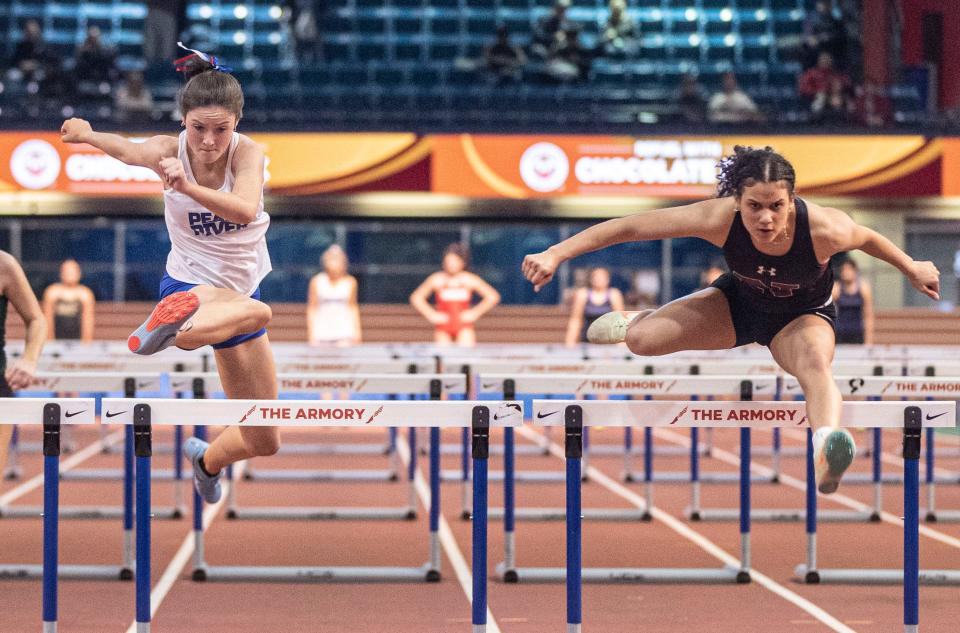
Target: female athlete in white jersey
<point>213,205</point>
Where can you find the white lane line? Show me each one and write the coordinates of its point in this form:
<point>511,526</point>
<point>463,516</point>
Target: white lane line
<point>703,542</point>
<point>172,573</point>
<point>74,460</point>
<point>447,540</point>
<point>886,517</point>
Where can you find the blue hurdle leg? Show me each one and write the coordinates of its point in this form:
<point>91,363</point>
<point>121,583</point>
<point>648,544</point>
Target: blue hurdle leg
<point>743,576</point>
<point>412,475</point>
<point>177,472</point>
<point>812,575</point>
<point>51,517</point>
<point>912,435</point>
<point>509,507</point>
<point>479,545</point>
<point>465,473</point>
<point>877,475</point>
<point>143,544</point>
<point>931,478</point>
<point>574,548</point>
<point>648,471</point>
<point>126,572</point>
<point>199,562</point>
<point>694,474</point>
<point>433,572</point>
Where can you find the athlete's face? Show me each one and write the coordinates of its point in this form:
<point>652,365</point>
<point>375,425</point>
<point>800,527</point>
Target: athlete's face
<point>599,279</point>
<point>452,264</point>
<point>765,209</point>
<point>335,263</point>
<point>209,132</point>
<point>848,273</point>
<point>70,273</point>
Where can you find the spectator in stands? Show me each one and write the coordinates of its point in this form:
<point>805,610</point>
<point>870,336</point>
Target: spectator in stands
<point>619,36</point>
<point>161,29</point>
<point>333,314</point>
<point>591,302</point>
<point>871,106</point>
<point>504,60</point>
<point>645,290</point>
<point>96,62</point>
<point>69,306</point>
<point>306,32</point>
<point>826,91</point>
<point>31,55</point>
<point>548,28</point>
<point>132,99</point>
<point>823,31</point>
<point>568,61</point>
<point>732,105</point>
<point>692,100</point>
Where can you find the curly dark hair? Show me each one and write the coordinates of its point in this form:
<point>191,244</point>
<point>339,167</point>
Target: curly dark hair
<point>206,86</point>
<point>748,166</point>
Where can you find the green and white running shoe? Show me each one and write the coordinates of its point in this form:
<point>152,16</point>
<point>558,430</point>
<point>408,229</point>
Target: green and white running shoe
<point>833,452</point>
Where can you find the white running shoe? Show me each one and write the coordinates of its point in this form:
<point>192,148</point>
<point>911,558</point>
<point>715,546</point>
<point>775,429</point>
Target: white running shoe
<point>611,327</point>
<point>833,452</point>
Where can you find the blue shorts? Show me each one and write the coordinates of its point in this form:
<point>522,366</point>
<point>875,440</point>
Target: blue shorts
<point>169,285</point>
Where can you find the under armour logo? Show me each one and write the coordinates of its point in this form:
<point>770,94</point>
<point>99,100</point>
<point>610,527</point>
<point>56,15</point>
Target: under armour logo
<point>770,271</point>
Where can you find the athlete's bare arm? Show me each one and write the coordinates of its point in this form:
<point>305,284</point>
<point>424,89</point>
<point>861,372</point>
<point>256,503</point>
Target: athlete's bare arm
<point>239,205</point>
<point>834,231</point>
<point>489,297</point>
<point>14,284</point>
<point>418,299</point>
<point>145,154</point>
<point>708,220</point>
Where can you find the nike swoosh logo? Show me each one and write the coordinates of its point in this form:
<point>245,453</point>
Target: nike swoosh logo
<point>490,385</point>
<point>70,414</point>
<point>141,385</point>
<point>792,385</point>
<point>113,414</point>
<point>542,415</point>
<point>450,385</point>
<point>934,417</point>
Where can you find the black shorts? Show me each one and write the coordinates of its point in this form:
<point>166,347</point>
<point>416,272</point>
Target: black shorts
<point>752,326</point>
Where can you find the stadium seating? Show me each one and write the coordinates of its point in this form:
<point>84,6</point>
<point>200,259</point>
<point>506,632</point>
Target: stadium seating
<point>391,55</point>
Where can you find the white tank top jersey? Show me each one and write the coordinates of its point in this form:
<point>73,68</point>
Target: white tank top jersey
<point>332,321</point>
<point>205,248</point>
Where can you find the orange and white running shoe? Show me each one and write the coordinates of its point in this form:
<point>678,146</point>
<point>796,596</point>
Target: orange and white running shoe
<point>160,329</point>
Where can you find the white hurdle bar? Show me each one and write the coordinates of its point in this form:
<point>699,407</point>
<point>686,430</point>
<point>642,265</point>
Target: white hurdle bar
<point>575,415</point>
<point>429,385</point>
<point>52,414</point>
<point>480,417</point>
<point>635,386</point>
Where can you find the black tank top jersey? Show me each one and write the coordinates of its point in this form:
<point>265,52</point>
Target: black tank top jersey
<point>792,282</point>
<point>66,319</point>
<point>593,311</point>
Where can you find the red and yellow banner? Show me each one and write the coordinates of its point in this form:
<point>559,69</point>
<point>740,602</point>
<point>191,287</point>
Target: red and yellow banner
<point>510,166</point>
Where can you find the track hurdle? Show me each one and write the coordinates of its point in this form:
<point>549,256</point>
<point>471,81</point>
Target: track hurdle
<point>575,415</point>
<point>52,414</point>
<point>143,414</point>
<point>433,386</point>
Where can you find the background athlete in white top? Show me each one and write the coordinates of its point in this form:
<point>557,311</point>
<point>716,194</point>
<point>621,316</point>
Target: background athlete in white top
<point>213,195</point>
<point>333,316</point>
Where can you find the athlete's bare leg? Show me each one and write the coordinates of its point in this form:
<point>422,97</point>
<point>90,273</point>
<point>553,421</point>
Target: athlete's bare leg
<point>698,321</point>
<point>467,337</point>
<point>6,432</point>
<point>223,314</point>
<point>442,338</point>
<point>247,372</point>
<point>805,350</point>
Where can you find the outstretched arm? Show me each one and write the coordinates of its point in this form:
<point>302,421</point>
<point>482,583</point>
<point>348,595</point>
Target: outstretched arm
<point>702,219</point>
<point>145,154</point>
<point>843,234</point>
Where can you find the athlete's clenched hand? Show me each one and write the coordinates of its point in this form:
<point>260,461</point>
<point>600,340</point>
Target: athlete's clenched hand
<point>538,268</point>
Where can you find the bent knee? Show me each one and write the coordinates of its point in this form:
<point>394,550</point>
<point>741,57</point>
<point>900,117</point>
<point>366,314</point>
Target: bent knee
<point>259,315</point>
<point>642,342</point>
<point>812,364</point>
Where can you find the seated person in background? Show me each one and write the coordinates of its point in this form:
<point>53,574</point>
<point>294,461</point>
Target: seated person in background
<point>691,100</point>
<point>825,90</point>
<point>546,30</point>
<point>871,106</point>
<point>96,62</point>
<point>132,99</point>
<point>618,39</point>
<point>732,105</point>
<point>569,61</point>
<point>69,306</point>
<point>591,302</point>
<point>503,59</point>
<point>453,315</point>
<point>333,316</point>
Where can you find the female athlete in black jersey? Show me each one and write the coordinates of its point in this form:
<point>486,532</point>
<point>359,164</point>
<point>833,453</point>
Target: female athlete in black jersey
<point>777,293</point>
